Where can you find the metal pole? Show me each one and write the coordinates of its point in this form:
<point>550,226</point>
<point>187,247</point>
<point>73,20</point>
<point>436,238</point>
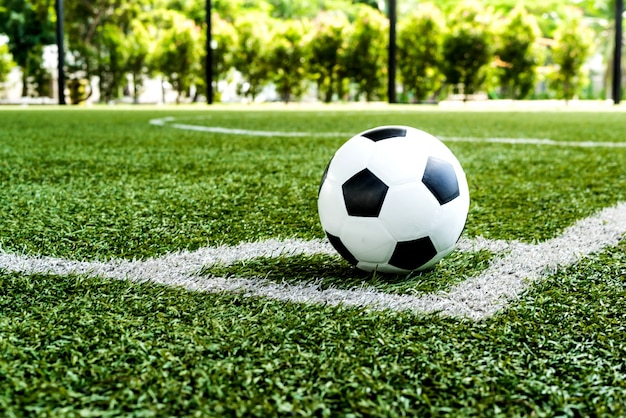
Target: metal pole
<point>391,89</point>
<point>60,51</point>
<point>209,55</point>
<point>617,56</point>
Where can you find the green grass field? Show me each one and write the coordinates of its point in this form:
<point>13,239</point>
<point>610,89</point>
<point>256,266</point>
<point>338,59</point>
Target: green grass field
<point>107,185</point>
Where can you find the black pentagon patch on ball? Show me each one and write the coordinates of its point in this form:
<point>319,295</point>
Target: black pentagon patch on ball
<point>341,249</point>
<point>440,178</point>
<point>364,194</point>
<point>379,134</point>
<point>410,255</point>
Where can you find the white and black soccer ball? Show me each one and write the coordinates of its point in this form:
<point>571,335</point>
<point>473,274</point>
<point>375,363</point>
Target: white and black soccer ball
<point>393,199</point>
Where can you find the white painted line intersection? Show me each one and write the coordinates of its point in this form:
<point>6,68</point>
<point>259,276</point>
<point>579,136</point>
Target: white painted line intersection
<point>507,276</point>
<point>476,298</point>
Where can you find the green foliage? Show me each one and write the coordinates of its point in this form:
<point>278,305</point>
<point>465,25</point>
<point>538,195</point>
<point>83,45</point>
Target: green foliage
<point>420,35</point>
<point>114,54</point>
<point>290,9</point>
<point>105,41</point>
<point>327,45</point>
<point>571,50</point>
<point>29,26</point>
<point>38,78</point>
<point>467,48</point>
<point>250,57</point>
<point>288,57</point>
<point>140,47</point>
<point>192,9</point>
<point>6,62</point>
<point>233,9</point>
<point>224,37</point>
<point>365,57</point>
<point>516,53</point>
<point>114,39</point>
<point>179,53</point>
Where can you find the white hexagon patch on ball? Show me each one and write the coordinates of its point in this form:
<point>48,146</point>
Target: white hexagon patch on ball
<point>393,199</point>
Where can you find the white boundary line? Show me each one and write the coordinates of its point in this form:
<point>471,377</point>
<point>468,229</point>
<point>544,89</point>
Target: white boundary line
<point>476,298</point>
<point>168,121</point>
<point>537,141</point>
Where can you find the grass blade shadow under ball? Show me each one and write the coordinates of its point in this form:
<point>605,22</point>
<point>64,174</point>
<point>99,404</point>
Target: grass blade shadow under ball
<point>326,271</point>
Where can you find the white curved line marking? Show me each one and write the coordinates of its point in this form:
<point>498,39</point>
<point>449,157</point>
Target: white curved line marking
<point>234,131</point>
<point>167,121</point>
<point>477,298</point>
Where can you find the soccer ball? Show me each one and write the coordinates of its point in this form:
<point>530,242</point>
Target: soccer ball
<point>393,199</point>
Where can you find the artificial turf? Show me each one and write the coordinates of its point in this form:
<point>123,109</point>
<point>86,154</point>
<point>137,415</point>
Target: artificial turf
<point>94,347</point>
<point>325,271</point>
<point>104,183</point>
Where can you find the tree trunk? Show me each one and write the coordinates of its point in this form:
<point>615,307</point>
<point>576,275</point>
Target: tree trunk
<point>135,89</point>
<point>24,82</point>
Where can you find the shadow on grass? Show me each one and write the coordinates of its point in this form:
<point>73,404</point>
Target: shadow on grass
<point>327,271</point>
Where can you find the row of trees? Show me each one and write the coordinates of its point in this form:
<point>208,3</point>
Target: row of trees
<point>341,50</point>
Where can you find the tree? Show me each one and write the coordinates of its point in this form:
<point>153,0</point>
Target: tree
<point>466,48</point>
<point>419,51</point>
<point>231,10</point>
<point>366,53</point>
<point>179,53</point>
<point>288,58</point>
<point>327,44</point>
<point>29,26</point>
<point>112,58</point>
<point>6,63</point>
<point>192,9</point>
<point>292,9</point>
<point>224,37</point>
<point>571,51</point>
<point>516,55</point>
<point>372,3</point>
<point>38,79</point>
<point>99,36</point>
<point>250,53</point>
<point>140,49</point>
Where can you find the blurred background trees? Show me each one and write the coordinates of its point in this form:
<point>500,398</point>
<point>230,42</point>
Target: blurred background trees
<point>28,26</point>
<point>573,43</point>
<point>317,49</point>
<point>516,53</point>
<point>421,56</point>
<point>467,48</point>
<point>6,62</point>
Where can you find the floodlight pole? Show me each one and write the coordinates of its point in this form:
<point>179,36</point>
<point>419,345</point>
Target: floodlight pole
<point>60,51</point>
<point>391,64</point>
<point>617,56</point>
<point>209,54</point>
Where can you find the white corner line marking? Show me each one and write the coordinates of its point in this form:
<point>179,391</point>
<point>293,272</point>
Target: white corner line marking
<point>476,298</point>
